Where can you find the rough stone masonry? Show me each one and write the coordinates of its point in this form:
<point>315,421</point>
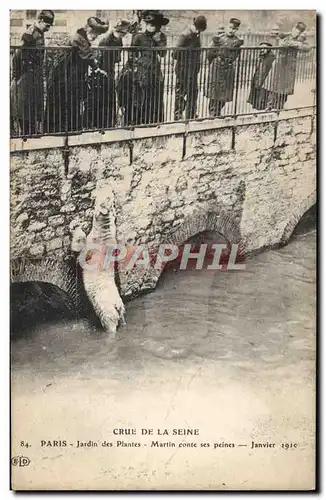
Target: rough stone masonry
<point>251,184</point>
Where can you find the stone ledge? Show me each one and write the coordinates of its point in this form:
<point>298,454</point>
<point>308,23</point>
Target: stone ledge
<point>166,129</point>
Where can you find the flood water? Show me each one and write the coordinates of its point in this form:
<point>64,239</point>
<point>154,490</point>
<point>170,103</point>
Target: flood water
<point>230,353</point>
<point>265,312</point>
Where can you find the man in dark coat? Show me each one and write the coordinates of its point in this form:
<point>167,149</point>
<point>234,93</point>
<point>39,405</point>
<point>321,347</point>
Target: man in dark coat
<point>258,96</point>
<point>69,81</point>
<point>141,84</point>
<point>222,56</point>
<point>281,80</point>
<point>102,99</point>
<point>27,91</point>
<point>188,57</point>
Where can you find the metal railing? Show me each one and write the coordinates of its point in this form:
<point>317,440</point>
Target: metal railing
<point>54,91</point>
<point>250,39</point>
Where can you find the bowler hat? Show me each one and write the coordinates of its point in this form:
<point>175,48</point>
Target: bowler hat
<point>97,25</point>
<point>200,23</point>
<point>266,43</point>
<point>122,26</point>
<point>301,26</point>
<point>155,17</point>
<point>236,22</point>
<point>47,16</point>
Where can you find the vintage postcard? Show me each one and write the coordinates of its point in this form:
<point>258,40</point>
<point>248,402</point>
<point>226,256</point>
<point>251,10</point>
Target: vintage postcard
<point>163,250</point>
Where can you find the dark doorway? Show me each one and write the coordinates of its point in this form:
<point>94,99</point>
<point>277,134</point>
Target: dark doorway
<point>32,303</point>
<point>307,223</point>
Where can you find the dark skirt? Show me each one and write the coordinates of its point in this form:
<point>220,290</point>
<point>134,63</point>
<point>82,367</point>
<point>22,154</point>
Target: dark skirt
<point>258,98</point>
<point>277,100</point>
<point>27,103</point>
<point>100,105</point>
<point>141,103</point>
<point>64,107</point>
<point>262,99</point>
<point>128,95</point>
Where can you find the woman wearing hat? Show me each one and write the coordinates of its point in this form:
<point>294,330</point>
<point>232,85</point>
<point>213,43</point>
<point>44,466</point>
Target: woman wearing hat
<point>258,96</point>
<point>27,96</point>
<point>222,60</point>
<point>146,103</point>
<point>69,81</point>
<point>281,80</point>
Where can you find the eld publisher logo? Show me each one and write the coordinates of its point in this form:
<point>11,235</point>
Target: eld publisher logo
<point>20,461</point>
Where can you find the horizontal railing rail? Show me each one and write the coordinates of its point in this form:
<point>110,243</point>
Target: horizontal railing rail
<point>55,91</point>
<point>251,38</point>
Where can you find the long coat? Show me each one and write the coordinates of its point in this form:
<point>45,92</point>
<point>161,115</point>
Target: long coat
<point>258,96</point>
<point>187,61</point>
<point>101,100</point>
<point>148,62</point>
<point>109,58</point>
<point>67,87</point>
<point>141,83</point>
<point>281,79</point>
<point>26,90</point>
<point>222,55</point>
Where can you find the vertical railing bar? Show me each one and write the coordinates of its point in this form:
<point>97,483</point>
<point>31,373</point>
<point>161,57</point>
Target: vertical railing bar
<point>166,86</point>
<point>238,74</point>
<point>171,86</point>
<point>199,102</point>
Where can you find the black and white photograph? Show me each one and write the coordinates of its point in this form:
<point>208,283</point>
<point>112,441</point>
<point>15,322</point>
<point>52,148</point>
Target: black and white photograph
<point>163,248</point>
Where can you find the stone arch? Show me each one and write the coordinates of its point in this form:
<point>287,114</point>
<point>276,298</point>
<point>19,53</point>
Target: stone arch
<point>219,221</point>
<point>297,214</point>
<point>47,270</point>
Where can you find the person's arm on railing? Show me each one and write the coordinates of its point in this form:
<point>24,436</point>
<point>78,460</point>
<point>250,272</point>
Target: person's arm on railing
<point>300,43</point>
<point>236,51</point>
<point>304,46</point>
<point>86,52</point>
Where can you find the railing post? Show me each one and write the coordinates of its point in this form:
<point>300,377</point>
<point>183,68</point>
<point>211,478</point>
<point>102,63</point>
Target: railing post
<point>66,144</point>
<point>131,152</point>
<point>184,145</point>
<point>237,80</point>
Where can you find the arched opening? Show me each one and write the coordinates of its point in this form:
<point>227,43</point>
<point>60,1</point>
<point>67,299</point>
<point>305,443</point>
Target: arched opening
<point>207,243</point>
<point>34,303</point>
<point>209,227</point>
<point>303,215</point>
<point>307,223</point>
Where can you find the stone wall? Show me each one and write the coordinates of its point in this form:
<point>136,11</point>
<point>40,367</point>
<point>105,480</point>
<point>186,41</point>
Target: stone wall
<point>239,182</point>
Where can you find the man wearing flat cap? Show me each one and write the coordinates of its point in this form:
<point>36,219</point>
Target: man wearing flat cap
<point>27,94</point>
<point>222,57</point>
<point>188,57</point>
<point>141,85</point>
<point>281,80</point>
<point>102,101</point>
<point>70,83</point>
